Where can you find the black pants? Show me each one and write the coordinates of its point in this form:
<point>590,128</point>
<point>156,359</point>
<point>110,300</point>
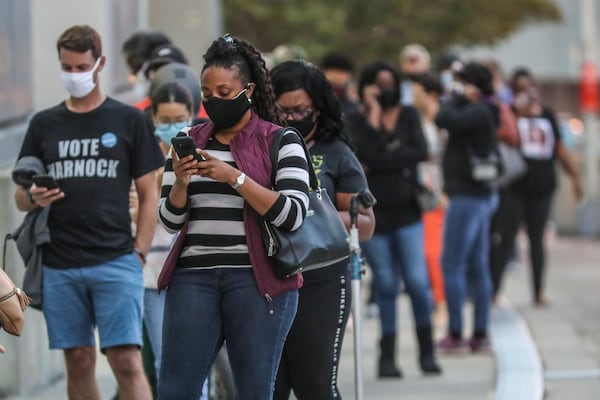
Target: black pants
<point>513,210</point>
<point>312,350</point>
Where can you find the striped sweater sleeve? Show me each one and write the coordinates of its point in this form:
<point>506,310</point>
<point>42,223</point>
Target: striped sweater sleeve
<point>170,217</point>
<point>292,183</point>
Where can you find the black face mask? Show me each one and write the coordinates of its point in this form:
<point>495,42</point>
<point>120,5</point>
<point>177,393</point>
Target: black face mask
<point>304,125</point>
<point>388,98</point>
<point>226,113</point>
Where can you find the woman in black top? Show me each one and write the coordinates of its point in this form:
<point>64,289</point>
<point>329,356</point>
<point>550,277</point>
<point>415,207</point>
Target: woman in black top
<point>530,197</point>
<point>312,350</point>
<point>471,121</point>
<point>390,144</point>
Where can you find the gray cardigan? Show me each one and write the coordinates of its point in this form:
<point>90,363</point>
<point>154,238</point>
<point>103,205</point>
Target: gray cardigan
<point>32,233</point>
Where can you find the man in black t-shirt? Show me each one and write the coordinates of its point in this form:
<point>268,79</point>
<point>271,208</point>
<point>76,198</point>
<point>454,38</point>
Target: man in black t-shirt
<point>93,146</point>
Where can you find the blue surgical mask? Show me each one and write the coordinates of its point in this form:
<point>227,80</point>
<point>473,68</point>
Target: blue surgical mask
<point>166,131</point>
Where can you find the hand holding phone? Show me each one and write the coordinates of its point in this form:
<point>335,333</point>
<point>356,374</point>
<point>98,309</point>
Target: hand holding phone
<point>46,181</point>
<point>184,146</point>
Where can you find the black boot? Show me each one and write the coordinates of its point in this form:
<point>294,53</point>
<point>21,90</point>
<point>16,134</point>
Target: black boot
<point>387,365</point>
<point>427,360</point>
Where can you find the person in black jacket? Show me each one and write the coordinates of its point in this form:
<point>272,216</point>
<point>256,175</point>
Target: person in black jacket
<point>471,121</point>
<point>390,144</point>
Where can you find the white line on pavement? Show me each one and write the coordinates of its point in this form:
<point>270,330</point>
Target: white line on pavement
<point>519,366</point>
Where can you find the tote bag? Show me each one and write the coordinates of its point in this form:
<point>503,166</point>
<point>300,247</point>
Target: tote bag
<point>321,240</point>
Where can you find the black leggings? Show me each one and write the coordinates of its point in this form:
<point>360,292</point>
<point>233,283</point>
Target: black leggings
<point>512,211</point>
<point>310,359</point>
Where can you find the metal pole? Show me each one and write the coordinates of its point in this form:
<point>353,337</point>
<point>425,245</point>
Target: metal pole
<point>366,200</point>
<point>355,274</point>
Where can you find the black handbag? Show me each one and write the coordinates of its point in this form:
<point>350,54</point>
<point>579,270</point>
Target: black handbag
<point>321,240</point>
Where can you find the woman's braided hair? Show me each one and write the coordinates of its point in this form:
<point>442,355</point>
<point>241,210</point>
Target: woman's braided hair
<point>227,52</point>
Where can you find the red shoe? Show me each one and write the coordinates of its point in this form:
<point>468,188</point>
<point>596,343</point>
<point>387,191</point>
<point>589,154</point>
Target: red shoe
<point>480,345</point>
<point>450,344</point>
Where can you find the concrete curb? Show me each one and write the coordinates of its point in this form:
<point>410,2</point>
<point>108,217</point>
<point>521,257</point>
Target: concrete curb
<point>519,370</point>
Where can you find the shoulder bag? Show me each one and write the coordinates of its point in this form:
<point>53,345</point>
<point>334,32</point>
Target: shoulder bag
<point>321,240</point>
<point>13,301</point>
<point>502,167</point>
<point>513,165</point>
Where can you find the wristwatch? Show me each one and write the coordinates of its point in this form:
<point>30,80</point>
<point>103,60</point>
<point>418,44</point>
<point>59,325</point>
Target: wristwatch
<point>239,181</point>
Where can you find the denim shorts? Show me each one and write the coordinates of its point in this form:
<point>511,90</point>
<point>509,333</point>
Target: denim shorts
<point>108,296</point>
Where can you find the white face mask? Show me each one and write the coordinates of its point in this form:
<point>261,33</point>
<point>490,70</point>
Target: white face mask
<point>79,84</point>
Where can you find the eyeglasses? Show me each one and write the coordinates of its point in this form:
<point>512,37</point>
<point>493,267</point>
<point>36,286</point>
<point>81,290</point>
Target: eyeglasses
<point>296,115</point>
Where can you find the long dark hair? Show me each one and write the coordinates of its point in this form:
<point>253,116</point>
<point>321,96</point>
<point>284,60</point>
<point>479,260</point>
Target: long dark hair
<point>227,52</point>
<point>293,75</point>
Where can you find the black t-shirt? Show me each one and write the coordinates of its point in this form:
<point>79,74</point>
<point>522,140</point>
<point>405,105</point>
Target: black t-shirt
<point>94,157</point>
<point>538,139</point>
<point>338,171</point>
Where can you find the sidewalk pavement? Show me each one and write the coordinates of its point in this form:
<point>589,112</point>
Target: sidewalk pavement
<point>534,350</point>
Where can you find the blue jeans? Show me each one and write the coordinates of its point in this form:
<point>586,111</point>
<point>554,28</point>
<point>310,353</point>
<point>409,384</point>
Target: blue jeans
<point>399,255</point>
<point>465,259</point>
<point>154,306</point>
<point>205,308</point>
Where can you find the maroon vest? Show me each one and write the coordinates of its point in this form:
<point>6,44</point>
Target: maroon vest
<point>250,150</point>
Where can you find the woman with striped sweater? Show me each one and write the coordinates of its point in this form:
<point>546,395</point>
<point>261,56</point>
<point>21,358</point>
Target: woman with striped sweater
<point>223,288</point>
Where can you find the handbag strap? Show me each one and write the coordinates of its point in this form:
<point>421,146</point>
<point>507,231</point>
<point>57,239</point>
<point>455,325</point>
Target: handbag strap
<point>6,239</point>
<point>274,153</point>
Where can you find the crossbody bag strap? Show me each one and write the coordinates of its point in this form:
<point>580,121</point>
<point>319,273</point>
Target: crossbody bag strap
<point>274,153</point>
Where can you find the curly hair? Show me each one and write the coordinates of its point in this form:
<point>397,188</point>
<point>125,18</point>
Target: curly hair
<point>229,52</point>
<point>293,75</point>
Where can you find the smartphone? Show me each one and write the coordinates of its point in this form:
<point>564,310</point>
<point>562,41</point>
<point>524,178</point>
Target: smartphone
<point>46,181</point>
<point>184,146</point>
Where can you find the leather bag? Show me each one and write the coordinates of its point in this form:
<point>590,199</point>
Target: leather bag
<point>13,302</point>
<point>501,168</point>
<point>513,165</point>
<point>321,240</point>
